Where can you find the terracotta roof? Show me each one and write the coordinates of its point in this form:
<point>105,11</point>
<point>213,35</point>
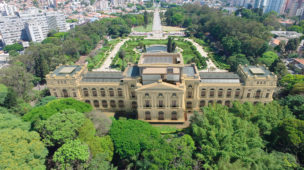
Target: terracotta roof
<point>276,42</point>
<point>300,60</point>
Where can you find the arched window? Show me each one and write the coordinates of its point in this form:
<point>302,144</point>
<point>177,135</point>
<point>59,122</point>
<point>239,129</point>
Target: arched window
<point>203,93</point>
<point>85,92</point>
<point>132,85</point>
<point>229,91</point>
<point>211,93</point>
<point>227,103</point>
<point>173,94</point>
<point>202,103</point>
<point>104,104</point>
<point>147,94</point>
<point>189,105</point>
<point>119,91</point>
<point>190,86</point>
<point>94,92</point>
<point>102,92</point>
<point>174,116</point>
<point>65,93</point>
<point>112,103</point>
<point>161,116</point>
<point>147,115</point>
<point>134,105</point>
<point>220,93</point>
<point>120,104</point>
<point>160,95</point>
<point>258,94</point>
<point>111,92</point>
<point>74,93</point>
<point>88,101</point>
<point>96,103</point>
<point>210,102</point>
<point>237,93</point>
<point>219,102</point>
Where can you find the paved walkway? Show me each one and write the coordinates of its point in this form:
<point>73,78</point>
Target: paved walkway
<point>211,67</point>
<point>106,65</point>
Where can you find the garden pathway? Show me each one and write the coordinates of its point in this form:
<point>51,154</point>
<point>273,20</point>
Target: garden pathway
<point>211,67</point>
<point>106,65</point>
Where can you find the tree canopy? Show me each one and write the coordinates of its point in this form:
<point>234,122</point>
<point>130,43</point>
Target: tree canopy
<point>220,135</point>
<point>129,144</point>
<point>73,154</point>
<point>21,149</point>
<point>10,121</point>
<point>55,106</point>
<point>61,127</point>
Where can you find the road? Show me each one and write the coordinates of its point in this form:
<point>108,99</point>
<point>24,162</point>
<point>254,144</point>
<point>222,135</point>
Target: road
<point>156,22</point>
<point>211,67</point>
<point>106,65</point>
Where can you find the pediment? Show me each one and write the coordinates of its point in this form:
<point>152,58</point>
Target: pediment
<point>159,86</point>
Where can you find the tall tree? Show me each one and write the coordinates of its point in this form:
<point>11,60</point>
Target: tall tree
<point>17,78</point>
<point>146,19</point>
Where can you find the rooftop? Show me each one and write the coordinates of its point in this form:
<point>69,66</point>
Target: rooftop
<point>163,70</point>
<point>259,71</point>
<point>216,77</point>
<point>98,76</point>
<point>133,71</point>
<point>189,70</point>
<point>160,58</point>
<point>66,70</point>
<point>300,60</point>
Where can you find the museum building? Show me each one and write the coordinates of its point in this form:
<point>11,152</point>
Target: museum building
<point>161,88</point>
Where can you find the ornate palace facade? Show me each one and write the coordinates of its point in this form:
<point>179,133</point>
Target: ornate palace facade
<point>160,88</point>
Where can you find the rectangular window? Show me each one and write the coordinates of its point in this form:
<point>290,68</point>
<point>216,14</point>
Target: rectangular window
<point>147,103</point>
<point>133,94</point>
<point>212,93</point>
<point>248,95</point>
<point>189,94</point>
<point>267,95</point>
<point>174,103</point>
<point>160,103</point>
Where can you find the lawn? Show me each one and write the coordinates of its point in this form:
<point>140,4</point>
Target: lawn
<point>190,54</point>
<point>172,29</point>
<point>143,28</point>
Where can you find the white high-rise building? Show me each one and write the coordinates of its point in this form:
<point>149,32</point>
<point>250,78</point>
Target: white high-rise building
<point>34,15</point>
<point>103,5</point>
<point>7,10</point>
<point>56,21</point>
<point>275,5</point>
<point>11,29</point>
<point>34,31</point>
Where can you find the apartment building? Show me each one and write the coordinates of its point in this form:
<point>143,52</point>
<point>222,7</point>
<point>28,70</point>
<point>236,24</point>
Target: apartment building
<point>11,29</point>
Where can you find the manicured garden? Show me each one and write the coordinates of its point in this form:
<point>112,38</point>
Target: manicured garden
<point>132,51</point>
<point>97,60</point>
